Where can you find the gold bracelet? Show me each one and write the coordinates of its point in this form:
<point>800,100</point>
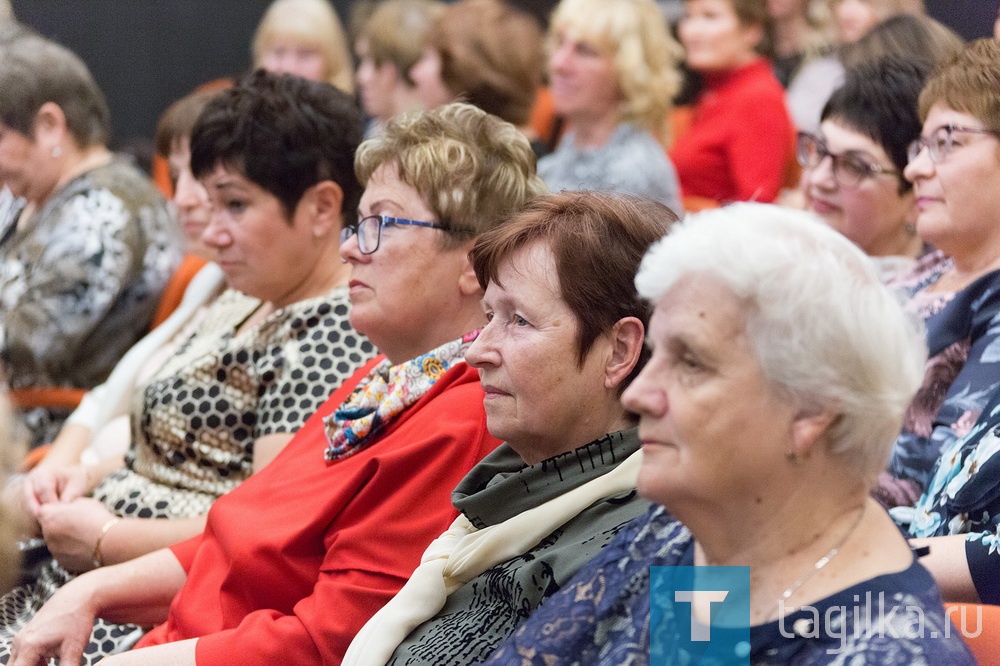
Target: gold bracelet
<point>98,560</point>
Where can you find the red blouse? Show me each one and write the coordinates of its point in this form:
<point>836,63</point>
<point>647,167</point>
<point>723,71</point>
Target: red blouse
<point>740,139</point>
<point>297,558</point>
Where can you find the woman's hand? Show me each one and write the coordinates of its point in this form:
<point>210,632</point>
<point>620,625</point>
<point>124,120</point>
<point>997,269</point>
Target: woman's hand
<point>47,484</point>
<point>71,530</point>
<point>61,628</point>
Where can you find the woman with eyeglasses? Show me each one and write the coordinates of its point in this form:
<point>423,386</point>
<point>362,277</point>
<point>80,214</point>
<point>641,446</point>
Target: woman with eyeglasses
<point>853,166</point>
<point>295,560</point>
<point>955,170</point>
<point>275,156</point>
<point>957,182</point>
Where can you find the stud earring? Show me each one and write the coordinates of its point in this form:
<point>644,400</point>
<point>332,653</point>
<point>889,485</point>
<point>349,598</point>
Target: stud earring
<point>56,151</point>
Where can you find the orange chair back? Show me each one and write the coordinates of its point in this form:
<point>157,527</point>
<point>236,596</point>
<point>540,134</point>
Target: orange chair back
<point>173,293</point>
<point>979,626</point>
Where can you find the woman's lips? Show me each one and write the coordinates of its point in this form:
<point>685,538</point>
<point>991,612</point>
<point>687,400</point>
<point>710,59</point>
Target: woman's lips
<point>493,392</point>
<point>924,202</point>
<point>821,207</point>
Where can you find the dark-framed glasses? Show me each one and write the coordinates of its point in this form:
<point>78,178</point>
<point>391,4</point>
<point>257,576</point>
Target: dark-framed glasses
<point>941,142</point>
<point>369,230</point>
<point>849,167</point>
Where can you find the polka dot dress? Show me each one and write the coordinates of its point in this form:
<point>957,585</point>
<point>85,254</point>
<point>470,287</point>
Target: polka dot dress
<point>194,424</point>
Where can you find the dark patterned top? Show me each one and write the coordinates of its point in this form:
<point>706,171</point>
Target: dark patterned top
<point>195,422</point>
<point>602,616</point>
<point>79,284</point>
<point>963,497</point>
<point>963,371</point>
<point>486,610</point>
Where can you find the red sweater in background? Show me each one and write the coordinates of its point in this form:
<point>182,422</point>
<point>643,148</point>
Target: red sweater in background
<point>297,558</point>
<point>740,139</point>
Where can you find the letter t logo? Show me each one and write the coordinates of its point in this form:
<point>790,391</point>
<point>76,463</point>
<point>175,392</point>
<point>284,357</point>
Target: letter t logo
<point>698,600</point>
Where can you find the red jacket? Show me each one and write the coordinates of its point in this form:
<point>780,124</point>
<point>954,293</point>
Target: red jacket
<point>297,558</point>
<point>740,139</point>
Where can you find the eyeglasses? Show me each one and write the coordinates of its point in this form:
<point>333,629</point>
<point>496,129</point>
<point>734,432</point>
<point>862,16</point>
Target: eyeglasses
<point>849,168</point>
<point>369,230</point>
<point>941,142</point>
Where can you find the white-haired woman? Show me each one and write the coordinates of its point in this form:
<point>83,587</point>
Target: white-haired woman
<point>765,415</point>
<point>612,67</point>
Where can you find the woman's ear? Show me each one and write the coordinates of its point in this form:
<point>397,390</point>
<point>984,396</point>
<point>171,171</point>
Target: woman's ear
<point>326,199</point>
<point>626,338</point>
<point>50,128</point>
<point>468,283</point>
<point>809,427</point>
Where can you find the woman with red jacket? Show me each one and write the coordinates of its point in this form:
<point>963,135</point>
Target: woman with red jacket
<point>741,137</point>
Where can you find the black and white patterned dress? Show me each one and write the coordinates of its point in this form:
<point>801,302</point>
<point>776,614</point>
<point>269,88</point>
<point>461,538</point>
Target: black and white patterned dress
<point>79,283</point>
<point>195,422</point>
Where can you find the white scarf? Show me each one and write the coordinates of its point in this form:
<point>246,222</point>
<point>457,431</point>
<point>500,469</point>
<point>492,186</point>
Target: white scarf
<point>463,552</point>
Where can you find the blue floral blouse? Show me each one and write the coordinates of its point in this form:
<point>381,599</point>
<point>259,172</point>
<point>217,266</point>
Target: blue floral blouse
<point>962,373</point>
<point>602,616</point>
<point>964,498</point>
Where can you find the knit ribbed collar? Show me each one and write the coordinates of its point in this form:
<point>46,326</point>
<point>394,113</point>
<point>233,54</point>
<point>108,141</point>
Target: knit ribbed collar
<point>502,485</point>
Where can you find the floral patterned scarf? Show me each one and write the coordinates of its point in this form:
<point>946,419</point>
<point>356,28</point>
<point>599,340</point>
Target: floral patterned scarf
<point>385,394</point>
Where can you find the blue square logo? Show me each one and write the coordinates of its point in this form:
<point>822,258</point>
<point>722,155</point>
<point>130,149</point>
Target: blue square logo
<point>699,615</point>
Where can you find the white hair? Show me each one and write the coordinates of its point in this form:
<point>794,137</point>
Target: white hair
<point>824,329</point>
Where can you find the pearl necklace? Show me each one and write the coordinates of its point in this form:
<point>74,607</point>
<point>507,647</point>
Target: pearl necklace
<point>819,564</point>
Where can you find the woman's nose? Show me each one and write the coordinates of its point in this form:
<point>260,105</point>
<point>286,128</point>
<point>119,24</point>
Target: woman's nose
<point>189,192</point>
<point>921,166</point>
<point>644,396</point>
<point>482,352</point>
<point>215,235</point>
<point>821,175</point>
<point>349,250</point>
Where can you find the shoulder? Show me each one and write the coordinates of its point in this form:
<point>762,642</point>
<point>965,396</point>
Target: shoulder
<point>758,86</point>
<point>315,324</point>
<point>458,394</point>
<point>125,182</point>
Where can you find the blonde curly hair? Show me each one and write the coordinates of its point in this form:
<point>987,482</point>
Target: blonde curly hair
<point>470,167</point>
<point>313,23</point>
<point>634,33</point>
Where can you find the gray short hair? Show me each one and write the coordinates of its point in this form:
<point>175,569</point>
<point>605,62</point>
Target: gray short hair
<point>35,70</point>
<point>826,332</point>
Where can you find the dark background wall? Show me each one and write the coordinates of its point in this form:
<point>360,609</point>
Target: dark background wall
<point>147,53</point>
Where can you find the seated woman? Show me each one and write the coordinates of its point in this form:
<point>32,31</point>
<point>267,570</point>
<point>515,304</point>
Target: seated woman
<point>956,289</point>
<point>613,71</point>
<point>812,85</point>
<point>231,396</point>
<point>764,415</point>
<point>565,337</point>
<point>801,34</point>
<point>740,139</point>
<point>487,53</point>
<point>294,561</point>
<point>868,124</point>
<point>388,45</point>
<point>304,38</point>
<point>83,265</point>
<point>958,156</point>
<point>96,435</point>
